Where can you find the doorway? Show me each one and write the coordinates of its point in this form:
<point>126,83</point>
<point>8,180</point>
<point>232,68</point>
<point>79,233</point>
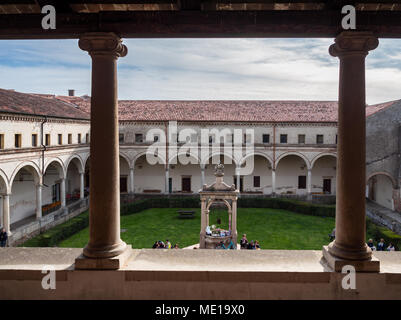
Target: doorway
<point>327,186</point>
<point>186,184</point>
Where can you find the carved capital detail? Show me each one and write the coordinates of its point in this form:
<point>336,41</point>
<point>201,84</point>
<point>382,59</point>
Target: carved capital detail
<point>349,42</point>
<point>103,43</point>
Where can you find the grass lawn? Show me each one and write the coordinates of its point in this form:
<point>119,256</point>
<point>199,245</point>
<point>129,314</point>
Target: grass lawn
<point>275,229</point>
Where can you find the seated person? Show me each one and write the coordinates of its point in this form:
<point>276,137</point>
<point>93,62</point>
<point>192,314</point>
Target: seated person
<point>251,245</point>
<point>231,245</point>
<point>380,245</point>
<point>371,245</point>
<point>244,242</point>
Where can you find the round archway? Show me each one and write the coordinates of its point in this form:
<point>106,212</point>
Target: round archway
<point>291,175</point>
<point>324,170</point>
<point>380,189</point>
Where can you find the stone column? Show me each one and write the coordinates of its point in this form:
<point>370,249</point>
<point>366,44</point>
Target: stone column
<point>104,218</point>
<point>234,222</point>
<point>202,234</point>
<point>62,193</point>
<point>349,247</point>
<point>309,184</point>
<point>166,186</point>
<point>131,180</point>
<point>6,213</point>
<point>238,171</point>
<point>202,176</point>
<point>38,201</point>
<point>81,185</point>
<point>273,181</point>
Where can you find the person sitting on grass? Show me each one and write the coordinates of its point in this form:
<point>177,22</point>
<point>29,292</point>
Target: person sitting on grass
<point>168,244</point>
<point>257,245</point>
<point>155,245</point>
<point>391,247</point>
<point>371,245</point>
<point>176,246</point>
<point>332,235</point>
<point>244,242</point>
<point>251,245</point>
<point>3,237</point>
<point>380,245</point>
<point>161,245</point>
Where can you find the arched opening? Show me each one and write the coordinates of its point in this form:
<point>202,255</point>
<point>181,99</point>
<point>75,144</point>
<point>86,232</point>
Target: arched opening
<point>3,191</point>
<point>149,178</point>
<point>73,180</point>
<point>291,175</point>
<point>324,175</point>
<point>23,200</point>
<point>259,181</point>
<point>124,175</point>
<point>380,189</point>
<point>52,192</point>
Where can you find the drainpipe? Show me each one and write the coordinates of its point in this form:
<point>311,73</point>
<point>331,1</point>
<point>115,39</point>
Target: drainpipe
<point>42,144</point>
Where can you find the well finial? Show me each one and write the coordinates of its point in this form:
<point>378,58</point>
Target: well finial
<point>219,170</point>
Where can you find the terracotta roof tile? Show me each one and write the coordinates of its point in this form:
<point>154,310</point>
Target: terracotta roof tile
<point>43,105</point>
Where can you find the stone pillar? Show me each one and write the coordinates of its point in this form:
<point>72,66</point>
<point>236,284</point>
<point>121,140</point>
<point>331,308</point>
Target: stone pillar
<point>131,181</point>
<point>62,193</point>
<point>6,213</point>
<point>349,247</point>
<point>238,171</point>
<point>166,186</point>
<point>234,223</point>
<point>309,184</point>
<point>273,181</point>
<point>202,234</point>
<point>38,201</point>
<point>202,176</point>
<point>104,218</point>
<point>81,185</point>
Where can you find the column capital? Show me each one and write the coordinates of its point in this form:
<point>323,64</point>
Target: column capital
<point>353,42</point>
<point>102,44</point>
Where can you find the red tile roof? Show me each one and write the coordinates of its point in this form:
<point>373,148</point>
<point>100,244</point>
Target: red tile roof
<point>179,110</point>
<point>43,105</point>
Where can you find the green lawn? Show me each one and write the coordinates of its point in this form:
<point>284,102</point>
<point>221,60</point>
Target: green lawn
<point>275,229</point>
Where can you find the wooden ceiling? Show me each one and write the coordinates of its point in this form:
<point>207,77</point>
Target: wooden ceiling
<point>20,19</point>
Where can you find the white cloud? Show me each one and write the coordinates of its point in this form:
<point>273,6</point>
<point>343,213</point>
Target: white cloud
<point>279,69</point>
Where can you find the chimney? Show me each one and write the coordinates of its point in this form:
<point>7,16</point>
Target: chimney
<point>71,92</point>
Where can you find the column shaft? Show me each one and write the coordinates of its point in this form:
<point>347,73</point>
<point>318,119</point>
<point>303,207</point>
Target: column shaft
<point>62,193</point>
<point>81,186</point>
<point>166,182</point>
<point>38,201</point>
<point>104,218</point>
<point>131,180</point>
<point>351,48</point>
<point>6,213</point>
<point>273,181</point>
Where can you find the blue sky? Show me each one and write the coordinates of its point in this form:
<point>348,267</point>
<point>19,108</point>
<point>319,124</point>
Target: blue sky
<point>266,69</point>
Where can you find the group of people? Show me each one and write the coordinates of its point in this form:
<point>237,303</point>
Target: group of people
<point>3,237</point>
<point>381,246</point>
<point>252,245</point>
<point>164,245</point>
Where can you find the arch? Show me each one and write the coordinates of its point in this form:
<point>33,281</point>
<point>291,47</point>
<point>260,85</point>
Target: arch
<point>214,200</point>
<point>393,181</point>
<point>4,180</point>
<point>139,155</point>
<point>293,153</point>
<point>126,158</point>
<point>32,167</point>
<point>58,161</point>
<point>85,160</point>
<point>205,160</point>
<point>80,161</point>
<point>321,155</point>
<point>257,153</point>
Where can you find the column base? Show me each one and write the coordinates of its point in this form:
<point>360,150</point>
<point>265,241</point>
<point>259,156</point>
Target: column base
<point>112,263</point>
<point>370,265</point>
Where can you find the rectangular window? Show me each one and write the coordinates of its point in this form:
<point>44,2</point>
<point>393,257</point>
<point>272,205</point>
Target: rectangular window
<point>69,138</point>
<point>87,138</point>
<point>79,138</point>
<point>156,138</point>
<point>47,139</point>
<point>266,138</point>
<point>256,181</point>
<point>1,141</point>
<point>301,138</point>
<point>283,138</point>
<point>301,182</point>
<point>121,137</point>
<point>138,138</point>
<point>60,139</point>
<point>319,139</point>
<point>336,138</point>
<point>210,139</point>
<point>18,140</point>
<point>34,140</point>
